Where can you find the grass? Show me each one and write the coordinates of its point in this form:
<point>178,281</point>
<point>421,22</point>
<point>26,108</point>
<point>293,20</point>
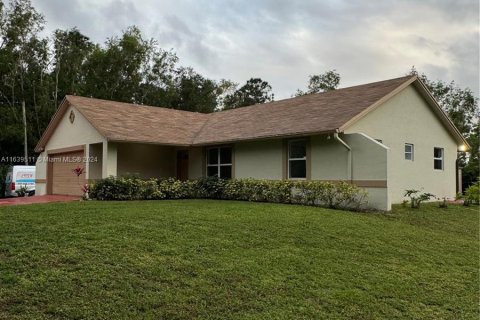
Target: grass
<point>236,260</point>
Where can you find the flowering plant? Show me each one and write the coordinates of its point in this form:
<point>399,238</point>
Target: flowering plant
<point>86,188</point>
<point>78,170</point>
<point>86,191</point>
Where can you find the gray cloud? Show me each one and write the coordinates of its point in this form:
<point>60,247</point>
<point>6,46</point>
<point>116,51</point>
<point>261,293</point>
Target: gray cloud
<point>284,41</point>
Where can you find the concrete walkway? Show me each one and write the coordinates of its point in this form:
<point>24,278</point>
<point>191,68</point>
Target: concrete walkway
<point>36,199</point>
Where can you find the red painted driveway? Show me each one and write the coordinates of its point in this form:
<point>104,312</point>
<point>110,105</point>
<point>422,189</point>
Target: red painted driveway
<point>36,199</point>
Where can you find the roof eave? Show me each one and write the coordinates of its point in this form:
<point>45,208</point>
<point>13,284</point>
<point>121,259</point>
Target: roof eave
<point>416,81</point>
<point>266,137</point>
<point>422,88</point>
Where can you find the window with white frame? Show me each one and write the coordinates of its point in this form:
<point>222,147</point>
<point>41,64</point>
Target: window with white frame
<point>438,158</point>
<point>409,151</point>
<point>297,159</point>
<point>219,162</point>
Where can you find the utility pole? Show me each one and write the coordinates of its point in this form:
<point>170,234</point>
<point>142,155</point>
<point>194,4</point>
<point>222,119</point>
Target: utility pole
<point>25,131</point>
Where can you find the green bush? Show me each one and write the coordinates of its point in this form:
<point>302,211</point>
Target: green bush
<point>276,191</point>
<point>313,193</point>
<point>472,194</point>
<point>416,198</point>
<point>211,188</point>
<point>331,195</point>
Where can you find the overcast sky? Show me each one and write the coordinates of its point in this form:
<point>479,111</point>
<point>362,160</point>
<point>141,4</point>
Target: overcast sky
<point>284,41</point>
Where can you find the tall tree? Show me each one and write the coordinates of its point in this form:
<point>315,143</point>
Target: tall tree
<point>225,88</point>
<point>23,64</point>
<point>253,92</point>
<point>116,71</point>
<point>70,52</point>
<point>460,104</point>
<point>471,167</point>
<point>194,92</point>
<point>321,83</point>
<point>131,69</point>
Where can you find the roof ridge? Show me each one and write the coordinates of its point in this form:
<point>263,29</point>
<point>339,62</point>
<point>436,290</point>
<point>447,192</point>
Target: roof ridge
<point>320,93</point>
<point>314,113</point>
<point>133,104</point>
<point>249,106</point>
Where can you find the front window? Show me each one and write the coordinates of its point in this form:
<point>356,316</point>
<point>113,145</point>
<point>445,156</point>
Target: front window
<point>297,159</point>
<point>219,162</point>
<point>408,151</point>
<point>438,158</point>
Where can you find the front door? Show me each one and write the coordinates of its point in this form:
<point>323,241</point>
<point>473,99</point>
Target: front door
<point>182,165</point>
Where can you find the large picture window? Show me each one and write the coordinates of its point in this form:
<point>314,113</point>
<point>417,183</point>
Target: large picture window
<point>219,162</point>
<point>438,158</point>
<point>297,159</point>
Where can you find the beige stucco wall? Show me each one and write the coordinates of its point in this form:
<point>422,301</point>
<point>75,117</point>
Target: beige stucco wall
<point>259,160</point>
<point>195,162</point>
<point>378,198</point>
<point>369,163</point>
<point>407,118</point>
<point>41,173</point>
<point>369,158</point>
<point>66,135</point>
<point>329,159</point>
<point>146,160</point>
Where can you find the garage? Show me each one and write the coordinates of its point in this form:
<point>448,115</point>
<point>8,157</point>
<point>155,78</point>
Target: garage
<point>62,179</point>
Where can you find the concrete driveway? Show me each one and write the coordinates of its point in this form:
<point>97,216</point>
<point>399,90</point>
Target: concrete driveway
<point>36,199</point>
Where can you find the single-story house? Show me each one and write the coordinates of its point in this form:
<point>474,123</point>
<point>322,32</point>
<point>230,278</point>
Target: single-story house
<point>386,137</point>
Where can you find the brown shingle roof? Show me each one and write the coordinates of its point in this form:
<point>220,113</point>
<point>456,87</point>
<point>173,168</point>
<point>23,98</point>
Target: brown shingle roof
<point>315,113</point>
<point>310,114</point>
<point>119,121</point>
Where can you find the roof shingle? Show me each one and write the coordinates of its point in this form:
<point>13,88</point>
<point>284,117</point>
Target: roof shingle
<point>315,113</point>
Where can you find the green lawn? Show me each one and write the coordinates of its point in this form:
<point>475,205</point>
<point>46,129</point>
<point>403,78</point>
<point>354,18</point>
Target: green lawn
<point>236,260</point>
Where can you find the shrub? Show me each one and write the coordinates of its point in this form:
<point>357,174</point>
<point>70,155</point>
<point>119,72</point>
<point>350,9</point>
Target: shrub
<point>472,194</point>
<point>22,191</point>
<point>211,187</point>
<point>125,188</point>
<point>332,195</point>
<point>314,193</point>
<point>416,198</point>
<point>150,190</point>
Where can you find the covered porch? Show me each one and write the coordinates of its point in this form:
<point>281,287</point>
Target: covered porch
<point>143,160</point>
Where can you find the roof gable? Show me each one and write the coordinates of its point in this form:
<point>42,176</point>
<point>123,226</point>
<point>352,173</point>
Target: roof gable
<point>430,101</point>
<point>309,114</point>
<point>332,111</point>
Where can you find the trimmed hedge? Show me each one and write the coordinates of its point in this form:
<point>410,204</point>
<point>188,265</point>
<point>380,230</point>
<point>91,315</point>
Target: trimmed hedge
<point>340,195</point>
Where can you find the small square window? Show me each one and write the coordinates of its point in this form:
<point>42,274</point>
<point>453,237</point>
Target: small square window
<point>219,162</point>
<point>409,151</point>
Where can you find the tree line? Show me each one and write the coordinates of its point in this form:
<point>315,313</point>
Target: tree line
<point>37,72</point>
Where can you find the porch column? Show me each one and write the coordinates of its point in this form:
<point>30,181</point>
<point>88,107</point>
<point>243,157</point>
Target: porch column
<point>86,163</point>
<point>109,161</point>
